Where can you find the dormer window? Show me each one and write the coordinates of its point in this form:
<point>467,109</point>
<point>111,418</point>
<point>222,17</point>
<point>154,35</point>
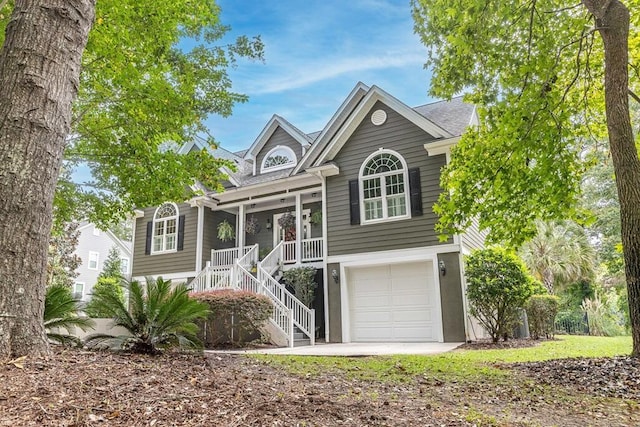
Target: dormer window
<point>278,158</point>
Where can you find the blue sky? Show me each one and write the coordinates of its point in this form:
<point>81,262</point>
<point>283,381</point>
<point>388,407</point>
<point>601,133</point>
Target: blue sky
<point>315,53</point>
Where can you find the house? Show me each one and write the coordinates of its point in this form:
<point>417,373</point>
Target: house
<point>360,192</point>
<point>93,248</point>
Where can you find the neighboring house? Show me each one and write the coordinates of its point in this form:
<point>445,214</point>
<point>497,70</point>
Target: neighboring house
<point>361,191</point>
<point>93,248</point>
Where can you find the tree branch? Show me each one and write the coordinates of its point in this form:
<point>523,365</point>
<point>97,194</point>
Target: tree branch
<point>634,96</point>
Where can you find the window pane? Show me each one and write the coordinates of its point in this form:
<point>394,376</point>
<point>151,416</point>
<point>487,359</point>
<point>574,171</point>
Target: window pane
<point>372,209</point>
<point>396,206</point>
<point>372,188</point>
<point>159,231</point>
<point>157,243</point>
<point>395,184</point>
<point>171,226</point>
<point>170,242</point>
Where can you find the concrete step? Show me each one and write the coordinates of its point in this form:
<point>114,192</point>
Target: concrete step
<point>301,342</point>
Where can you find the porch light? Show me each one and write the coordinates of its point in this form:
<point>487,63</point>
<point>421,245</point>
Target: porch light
<point>268,223</point>
<point>443,268</point>
<point>335,275</point>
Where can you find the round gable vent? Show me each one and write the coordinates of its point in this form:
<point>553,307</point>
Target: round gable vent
<point>378,117</point>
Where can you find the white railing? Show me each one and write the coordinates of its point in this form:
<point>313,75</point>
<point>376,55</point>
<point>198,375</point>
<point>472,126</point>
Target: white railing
<point>289,252</point>
<point>227,257</point>
<point>303,317</point>
<point>211,278</point>
<point>312,249</point>
<point>250,257</point>
<point>273,260</point>
<point>282,316</point>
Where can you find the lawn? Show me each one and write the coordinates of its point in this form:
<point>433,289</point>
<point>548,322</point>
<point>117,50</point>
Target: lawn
<point>456,365</point>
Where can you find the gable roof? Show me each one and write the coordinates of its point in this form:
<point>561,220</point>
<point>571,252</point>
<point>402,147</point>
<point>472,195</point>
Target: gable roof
<point>453,115</point>
<point>375,94</point>
<point>273,124</point>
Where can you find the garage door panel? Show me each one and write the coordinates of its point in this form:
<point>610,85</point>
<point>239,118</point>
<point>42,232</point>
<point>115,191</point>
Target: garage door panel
<point>394,302</point>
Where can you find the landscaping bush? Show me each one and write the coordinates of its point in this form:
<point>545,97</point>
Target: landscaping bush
<point>302,280</point>
<point>235,319</point>
<point>498,285</point>
<point>105,285</point>
<point>541,312</point>
<point>161,316</point>
<point>61,315</point>
<point>603,315</point>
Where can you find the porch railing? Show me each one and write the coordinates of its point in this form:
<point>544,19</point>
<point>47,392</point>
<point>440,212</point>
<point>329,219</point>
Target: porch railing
<point>273,260</point>
<point>281,316</point>
<point>311,250</point>
<point>211,278</point>
<point>303,317</point>
<point>227,257</point>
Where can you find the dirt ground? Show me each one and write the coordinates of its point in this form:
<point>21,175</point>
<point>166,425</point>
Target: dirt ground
<point>81,388</point>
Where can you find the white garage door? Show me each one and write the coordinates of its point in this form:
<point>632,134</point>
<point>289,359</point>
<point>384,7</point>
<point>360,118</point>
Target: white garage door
<point>393,302</point>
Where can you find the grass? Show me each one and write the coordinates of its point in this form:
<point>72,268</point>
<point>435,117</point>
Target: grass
<point>459,365</point>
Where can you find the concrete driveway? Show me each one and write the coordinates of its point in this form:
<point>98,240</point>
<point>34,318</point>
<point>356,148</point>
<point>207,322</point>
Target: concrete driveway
<point>355,349</point>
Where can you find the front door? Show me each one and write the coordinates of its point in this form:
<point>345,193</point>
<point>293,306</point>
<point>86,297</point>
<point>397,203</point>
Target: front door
<point>280,234</point>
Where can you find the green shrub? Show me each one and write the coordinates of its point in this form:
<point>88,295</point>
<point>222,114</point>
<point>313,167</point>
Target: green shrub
<point>61,314</point>
<point>105,285</point>
<point>603,315</point>
<point>302,280</point>
<point>236,317</point>
<point>542,311</point>
<point>161,316</point>
<point>498,285</point>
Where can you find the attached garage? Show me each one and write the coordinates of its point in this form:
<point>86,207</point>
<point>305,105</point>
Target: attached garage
<point>393,302</point>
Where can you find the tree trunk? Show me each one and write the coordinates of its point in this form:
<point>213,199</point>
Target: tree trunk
<point>39,77</point>
<point>612,19</point>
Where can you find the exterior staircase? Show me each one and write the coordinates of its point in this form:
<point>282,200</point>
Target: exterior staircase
<point>291,318</point>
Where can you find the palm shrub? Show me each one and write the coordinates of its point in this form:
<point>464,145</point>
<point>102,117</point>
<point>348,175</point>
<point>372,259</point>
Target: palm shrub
<point>61,314</point>
<point>541,312</point>
<point>160,316</point>
<point>498,285</point>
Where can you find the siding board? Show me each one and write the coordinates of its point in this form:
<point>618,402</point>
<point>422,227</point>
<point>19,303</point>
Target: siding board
<point>404,137</point>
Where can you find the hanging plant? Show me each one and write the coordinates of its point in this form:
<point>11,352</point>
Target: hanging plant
<point>225,231</point>
<point>287,221</point>
<point>316,218</point>
<point>252,226</point>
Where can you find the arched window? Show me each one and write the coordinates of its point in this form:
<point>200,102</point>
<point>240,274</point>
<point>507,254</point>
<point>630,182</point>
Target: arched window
<point>384,187</point>
<point>280,157</point>
<point>165,229</point>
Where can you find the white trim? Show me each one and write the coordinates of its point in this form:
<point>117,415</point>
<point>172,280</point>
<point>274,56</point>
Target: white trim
<point>273,124</point>
<point>374,95</point>
<point>176,217</point>
<point>328,169</point>
<point>97,256</point>
<point>184,275</point>
<point>290,154</point>
<point>383,258</point>
<point>285,185</point>
<point>82,294</point>
<point>325,247</point>
<point>442,146</point>
<point>199,236</point>
<point>383,189</point>
<point>393,254</point>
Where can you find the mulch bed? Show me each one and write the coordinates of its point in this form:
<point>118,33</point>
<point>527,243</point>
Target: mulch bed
<point>82,388</point>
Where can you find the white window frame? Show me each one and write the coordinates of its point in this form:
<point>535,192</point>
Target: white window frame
<point>96,231</point>
<point>290,154</point>
<point>124,260</point>
<point>383,188</point>
<point>74,293</point>
<point>163,222</point>
<point>96,255</point>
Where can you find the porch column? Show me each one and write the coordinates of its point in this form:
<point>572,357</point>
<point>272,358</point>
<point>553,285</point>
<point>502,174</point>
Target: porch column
<point>240,230</point>
<point>298,228</point>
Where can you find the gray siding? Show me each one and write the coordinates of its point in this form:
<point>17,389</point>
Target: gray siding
<point>335,305</point>
<point>473,238</point>
<point>175,262</point>
<point>279,137</point>
<point>404,137</point>
<point>451,298</point>
<point>220,216</point>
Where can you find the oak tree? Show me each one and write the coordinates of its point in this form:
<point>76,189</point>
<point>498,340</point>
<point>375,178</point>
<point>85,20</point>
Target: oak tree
<point>547,77</point>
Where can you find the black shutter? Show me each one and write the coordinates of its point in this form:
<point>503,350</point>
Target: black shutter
<point>181,232</point>
<point>147,248</point>
<point>354,202</point>
<point>415,192</point>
